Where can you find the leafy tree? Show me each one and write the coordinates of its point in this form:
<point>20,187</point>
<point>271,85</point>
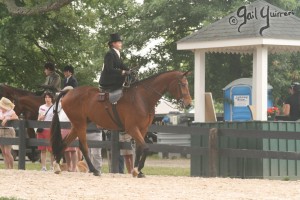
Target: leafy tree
<point>32,7</point>
<point>27,42</point>
<point>76,34</point>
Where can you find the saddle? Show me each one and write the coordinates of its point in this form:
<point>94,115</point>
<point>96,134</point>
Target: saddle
<point>112,96</point>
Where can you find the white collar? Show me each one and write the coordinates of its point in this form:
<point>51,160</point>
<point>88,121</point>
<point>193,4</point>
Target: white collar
<point>117,51</point>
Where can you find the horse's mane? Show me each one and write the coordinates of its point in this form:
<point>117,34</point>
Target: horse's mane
<point>151,77</point>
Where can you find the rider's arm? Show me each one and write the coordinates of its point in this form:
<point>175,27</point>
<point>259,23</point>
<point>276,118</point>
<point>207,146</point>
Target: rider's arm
<point>56,82</point>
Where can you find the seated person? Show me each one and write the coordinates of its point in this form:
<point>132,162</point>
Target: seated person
<point>291,106</point>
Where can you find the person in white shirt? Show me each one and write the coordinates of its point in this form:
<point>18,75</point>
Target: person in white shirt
<point>70,152</point>
<point>45,114</point>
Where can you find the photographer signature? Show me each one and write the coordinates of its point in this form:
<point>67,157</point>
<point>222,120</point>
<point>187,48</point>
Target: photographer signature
<point>264,13</point>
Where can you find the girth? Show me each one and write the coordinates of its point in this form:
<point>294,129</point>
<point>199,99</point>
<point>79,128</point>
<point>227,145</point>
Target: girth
<point>115,118</point>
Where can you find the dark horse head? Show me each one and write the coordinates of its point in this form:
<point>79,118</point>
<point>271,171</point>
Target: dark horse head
<point>25,102</point>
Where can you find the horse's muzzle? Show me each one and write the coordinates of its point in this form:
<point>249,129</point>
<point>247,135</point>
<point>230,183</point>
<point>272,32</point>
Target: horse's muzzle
<point>188,106</point>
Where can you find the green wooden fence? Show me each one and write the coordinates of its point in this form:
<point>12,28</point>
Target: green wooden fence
<point>240,149</point>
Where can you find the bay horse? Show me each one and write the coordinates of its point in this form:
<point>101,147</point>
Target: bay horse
<point>136,110</point>
<point>26,103</point>
<point>22,100</point>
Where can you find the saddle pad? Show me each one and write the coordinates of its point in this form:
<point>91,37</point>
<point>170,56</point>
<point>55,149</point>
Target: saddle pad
<point>115,95</point>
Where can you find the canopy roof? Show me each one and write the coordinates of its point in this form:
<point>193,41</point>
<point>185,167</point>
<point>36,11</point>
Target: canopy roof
<point>259,23</point>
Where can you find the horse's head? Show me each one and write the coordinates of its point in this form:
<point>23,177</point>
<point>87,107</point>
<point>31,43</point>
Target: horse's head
<point>179,89</point>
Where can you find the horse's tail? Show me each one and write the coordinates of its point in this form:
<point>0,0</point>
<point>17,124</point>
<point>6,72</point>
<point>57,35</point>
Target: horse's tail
<point>55,130</point>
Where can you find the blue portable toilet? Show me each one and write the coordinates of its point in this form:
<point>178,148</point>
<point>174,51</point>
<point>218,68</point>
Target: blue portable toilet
<point>237,97</point>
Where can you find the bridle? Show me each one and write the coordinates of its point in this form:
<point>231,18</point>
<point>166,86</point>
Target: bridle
<point>180,100</point>
<point>182,95</point>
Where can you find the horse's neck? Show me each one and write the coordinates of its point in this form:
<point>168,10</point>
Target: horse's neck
<point>157,88</point>
<point>18,92</point>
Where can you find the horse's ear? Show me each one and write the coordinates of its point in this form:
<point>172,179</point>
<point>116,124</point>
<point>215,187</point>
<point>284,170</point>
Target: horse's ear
<point>187,73</point>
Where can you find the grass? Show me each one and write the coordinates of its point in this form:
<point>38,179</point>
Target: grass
<point>166,171</point>
<point>148,170</point>
<point>8,198</point>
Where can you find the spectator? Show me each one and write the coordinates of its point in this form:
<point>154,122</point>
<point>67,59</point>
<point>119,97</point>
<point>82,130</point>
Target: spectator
<point>127,153</point>
<point>45,114</point>
<point>53,81</point>
<point>121,158</point>
<point>70,152</point>
<point>7,113</point>
<point>166,120</point>
<point>291,106</point>
<point>95,153</point>
<point>69,80</point>
<point>121,164</point>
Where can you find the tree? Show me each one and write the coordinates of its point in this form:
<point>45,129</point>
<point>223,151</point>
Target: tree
<point>76,34</point>
<point>27,42</point>
<point>28,8</point>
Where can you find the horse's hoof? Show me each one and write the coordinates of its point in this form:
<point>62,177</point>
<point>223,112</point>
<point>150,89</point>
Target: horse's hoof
<point>134,172</point>
<point>56,168</point>
<point>141,175</point>
<point>97,173</point>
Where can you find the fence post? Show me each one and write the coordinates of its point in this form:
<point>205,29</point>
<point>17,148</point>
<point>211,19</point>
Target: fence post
<point>22,144</point>
<point>115,152</point>
<point>213,152</point>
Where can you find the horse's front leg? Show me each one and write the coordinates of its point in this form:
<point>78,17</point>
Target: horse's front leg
<point>139,163</point>
<point>141,153</point>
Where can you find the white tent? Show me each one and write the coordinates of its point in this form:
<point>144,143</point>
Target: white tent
<point>164,107</point>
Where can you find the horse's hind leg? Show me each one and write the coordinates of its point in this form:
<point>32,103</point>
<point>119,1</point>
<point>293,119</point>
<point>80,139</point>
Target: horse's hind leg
<point>84,149</point>
<point>65,142</point>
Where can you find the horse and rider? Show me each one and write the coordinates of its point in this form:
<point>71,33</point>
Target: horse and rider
<point>132,113</point>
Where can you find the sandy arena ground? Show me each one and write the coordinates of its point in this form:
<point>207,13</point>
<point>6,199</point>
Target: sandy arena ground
<point>47,185</point>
